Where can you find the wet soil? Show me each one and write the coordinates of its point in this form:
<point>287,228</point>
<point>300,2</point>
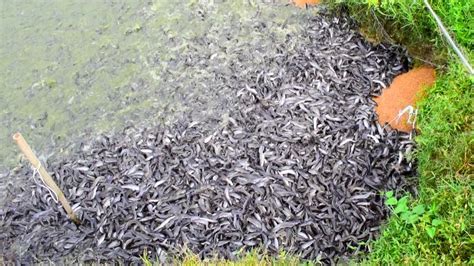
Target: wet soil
<point>303,3</point>
<point>406,90</point>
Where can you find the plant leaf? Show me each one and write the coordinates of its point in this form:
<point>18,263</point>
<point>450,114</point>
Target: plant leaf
<point>419,209</point>
<point>413,218</point>
<point>431,231</point>
<point>436,222</point>
<point>391,201</point>
<point>401,208</point>
<point>389,194</point>
<point>405,216</point>
<point>403,200</point>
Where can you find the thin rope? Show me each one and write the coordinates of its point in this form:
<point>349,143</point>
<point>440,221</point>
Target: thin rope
<point>53,194</point>
<point>388,38</point>
<point>450,40</point>
<point>412,113</point>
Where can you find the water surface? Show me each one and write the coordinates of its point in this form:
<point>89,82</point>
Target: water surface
<point>73,69</point>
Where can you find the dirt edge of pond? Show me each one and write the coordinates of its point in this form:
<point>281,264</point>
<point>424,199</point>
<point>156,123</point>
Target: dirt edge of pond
<point>405,91</point>
<point>303,3</point>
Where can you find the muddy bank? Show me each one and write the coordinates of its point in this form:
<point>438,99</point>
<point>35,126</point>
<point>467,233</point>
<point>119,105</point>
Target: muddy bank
<point>397,104</point>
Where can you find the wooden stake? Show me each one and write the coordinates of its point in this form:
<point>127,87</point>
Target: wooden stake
<point>48,180</point>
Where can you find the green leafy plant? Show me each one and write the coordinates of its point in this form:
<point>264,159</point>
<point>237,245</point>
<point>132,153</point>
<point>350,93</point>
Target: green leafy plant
<point>400,207</point>
<point>414,214</point>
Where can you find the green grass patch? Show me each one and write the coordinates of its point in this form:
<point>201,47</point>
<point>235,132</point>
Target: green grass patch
<point>436,228</point>
<point>251,258</point>
<point>408,22</point>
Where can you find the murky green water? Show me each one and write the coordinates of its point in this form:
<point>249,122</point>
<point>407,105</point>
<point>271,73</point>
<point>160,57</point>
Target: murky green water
<point>71,69</point>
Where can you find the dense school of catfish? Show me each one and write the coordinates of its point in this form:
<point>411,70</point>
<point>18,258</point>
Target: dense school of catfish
<point>296,163</point>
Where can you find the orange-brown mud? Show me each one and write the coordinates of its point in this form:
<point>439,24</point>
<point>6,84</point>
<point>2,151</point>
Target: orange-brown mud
<point>405,90</point>
<point>303,3</point>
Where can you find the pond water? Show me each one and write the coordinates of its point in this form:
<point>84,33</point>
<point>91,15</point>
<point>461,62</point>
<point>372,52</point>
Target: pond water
<point>74,69</point>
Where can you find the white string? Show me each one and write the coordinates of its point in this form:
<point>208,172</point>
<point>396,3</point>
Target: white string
<point>412,113</point>
<point>53,194</point>
<point>450,40</point>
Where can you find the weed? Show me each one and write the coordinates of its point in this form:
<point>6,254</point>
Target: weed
<point>409,23</point>
<point>414,214</point>
<point>146,261</point>
<point>434,228</point>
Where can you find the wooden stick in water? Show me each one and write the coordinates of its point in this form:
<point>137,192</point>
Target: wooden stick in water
<point>48,180</point>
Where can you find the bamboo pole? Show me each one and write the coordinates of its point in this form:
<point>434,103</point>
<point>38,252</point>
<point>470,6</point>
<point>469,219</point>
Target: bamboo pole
<point>48,180</point>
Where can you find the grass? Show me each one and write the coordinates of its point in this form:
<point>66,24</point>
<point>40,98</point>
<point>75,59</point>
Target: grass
<point>441,233</point>
<point>437,226</point>
<point>409,23</point>
<point>254,257</point>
